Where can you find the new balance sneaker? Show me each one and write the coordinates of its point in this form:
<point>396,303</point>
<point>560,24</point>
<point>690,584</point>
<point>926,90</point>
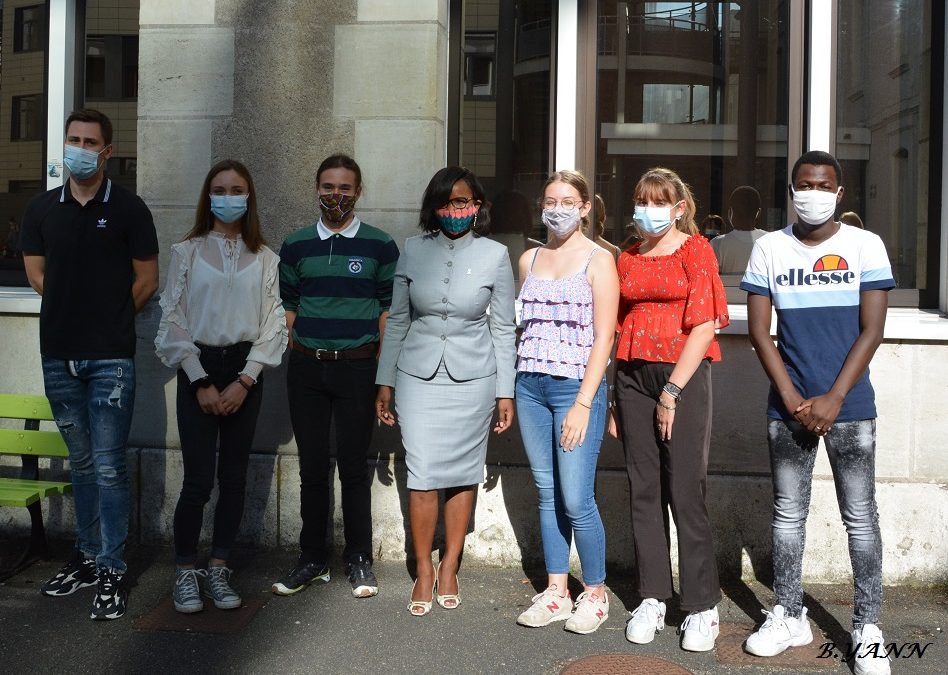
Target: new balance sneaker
<point>110,597</point>
<point>218,588</point>
<point>779,632</point>
<point>361,577</point>
<point>75,574</point>
<point>647,618</point>
<point>699,630</point>
<point>300,577</point>
<point>592,608</point>
<point>869,655</point>
<point>187,590</point>
<point>547,607</point>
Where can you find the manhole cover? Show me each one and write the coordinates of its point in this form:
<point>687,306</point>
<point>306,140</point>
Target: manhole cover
<point>211,620</point>
<point>623,664</point>
<point>729,650</point>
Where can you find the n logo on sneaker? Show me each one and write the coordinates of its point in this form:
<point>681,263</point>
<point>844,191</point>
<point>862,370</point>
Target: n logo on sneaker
<point>553,607</point>
<point>599,613</point>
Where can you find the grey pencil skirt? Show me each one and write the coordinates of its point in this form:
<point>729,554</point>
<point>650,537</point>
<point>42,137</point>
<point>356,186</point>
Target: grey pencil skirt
<point>444,423</point>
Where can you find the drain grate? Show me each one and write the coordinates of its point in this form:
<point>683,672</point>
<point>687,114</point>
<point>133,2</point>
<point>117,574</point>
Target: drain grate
<point>211,620</point>
<point>623,664</point>
<point>730,651</point>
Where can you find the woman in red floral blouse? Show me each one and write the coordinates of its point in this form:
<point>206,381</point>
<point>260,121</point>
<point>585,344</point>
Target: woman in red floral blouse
<point>671,302</point>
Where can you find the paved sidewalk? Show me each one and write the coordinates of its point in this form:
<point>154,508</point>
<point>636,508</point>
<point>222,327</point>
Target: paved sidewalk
<point>324,630</point>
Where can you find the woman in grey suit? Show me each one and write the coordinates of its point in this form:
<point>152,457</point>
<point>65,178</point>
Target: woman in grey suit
<point>449,353</point>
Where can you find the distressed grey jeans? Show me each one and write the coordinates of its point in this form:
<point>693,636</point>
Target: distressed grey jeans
<point>851,449</point>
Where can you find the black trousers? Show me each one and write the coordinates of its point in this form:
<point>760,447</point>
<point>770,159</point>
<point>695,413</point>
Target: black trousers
<point>342,393</point>
<point>199,450</point>
<point>669,473</point>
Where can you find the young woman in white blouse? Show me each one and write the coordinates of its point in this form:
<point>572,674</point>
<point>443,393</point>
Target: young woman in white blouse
<point>222,322</point>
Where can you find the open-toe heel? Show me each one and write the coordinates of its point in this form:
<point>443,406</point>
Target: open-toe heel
<point>449,600</point>
<point>420,607</point>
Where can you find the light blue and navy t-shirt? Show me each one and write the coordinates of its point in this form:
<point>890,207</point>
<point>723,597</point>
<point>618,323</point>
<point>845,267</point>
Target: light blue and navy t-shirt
<point>338,283</point>
<point>815,291</point>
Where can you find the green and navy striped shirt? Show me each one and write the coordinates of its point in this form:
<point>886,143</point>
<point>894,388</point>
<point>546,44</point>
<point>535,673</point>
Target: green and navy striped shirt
<point>338,285</point>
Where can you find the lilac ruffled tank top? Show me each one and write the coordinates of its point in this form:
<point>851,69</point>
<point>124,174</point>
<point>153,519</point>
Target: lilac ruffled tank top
<point>557,317</point>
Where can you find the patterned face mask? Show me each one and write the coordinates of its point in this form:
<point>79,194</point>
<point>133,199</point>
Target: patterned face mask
<point>457,221</point>
<point>337,206</point>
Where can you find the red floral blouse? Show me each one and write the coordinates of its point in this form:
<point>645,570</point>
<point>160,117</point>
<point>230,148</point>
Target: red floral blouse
<point>661,298</point>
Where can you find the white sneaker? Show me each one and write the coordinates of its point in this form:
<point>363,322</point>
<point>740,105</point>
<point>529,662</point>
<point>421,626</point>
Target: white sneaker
<point>647,618</point>
<point>869,656</point>
<point>699,630</point>
<point>592,608</point>
<point>547,607</point>
<point>779,632</point>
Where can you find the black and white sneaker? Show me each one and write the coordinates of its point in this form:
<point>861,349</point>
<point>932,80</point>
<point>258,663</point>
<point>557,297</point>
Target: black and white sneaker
<point>300,577</point>
<point>361,577</point>
<point>111,597</point>
<point>75,574</point>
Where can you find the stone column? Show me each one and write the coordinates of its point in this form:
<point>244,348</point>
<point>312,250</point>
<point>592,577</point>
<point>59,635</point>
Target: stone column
<point>390,79</point>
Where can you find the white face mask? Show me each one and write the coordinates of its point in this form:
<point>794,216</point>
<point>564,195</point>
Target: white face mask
<point>561,221</point>
<point>815,207</point>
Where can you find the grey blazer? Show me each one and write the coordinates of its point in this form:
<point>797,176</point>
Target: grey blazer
<point>443,291</point>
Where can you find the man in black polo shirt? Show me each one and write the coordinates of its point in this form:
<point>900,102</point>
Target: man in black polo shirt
<point>90,249</point>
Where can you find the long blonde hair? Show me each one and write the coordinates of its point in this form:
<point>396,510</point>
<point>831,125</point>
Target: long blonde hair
<point>661,184</point>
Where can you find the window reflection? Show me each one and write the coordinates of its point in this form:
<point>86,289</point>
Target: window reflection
<point>505,120</point>
<point>883,125</point>
<point>700,87</point>
<point>22,123</point>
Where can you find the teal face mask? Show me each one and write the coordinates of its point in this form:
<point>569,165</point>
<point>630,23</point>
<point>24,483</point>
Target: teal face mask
<point>457,221</point>
<point>228,208</point>
<point>80,162</point>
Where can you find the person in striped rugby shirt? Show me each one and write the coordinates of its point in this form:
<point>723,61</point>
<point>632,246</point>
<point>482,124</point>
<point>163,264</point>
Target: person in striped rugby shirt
<point>336,283</point>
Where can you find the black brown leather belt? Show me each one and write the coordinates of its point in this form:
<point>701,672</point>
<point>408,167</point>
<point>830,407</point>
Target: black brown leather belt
<point>364,352</point>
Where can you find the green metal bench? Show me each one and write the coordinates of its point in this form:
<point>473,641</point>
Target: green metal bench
<point>28,491</point>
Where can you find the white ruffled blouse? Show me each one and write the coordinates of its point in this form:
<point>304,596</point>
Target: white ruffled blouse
<point>218,293</point>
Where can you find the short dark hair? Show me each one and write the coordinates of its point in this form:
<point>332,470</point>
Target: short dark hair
<point>438,193</point>
<point>250,223</point>
<point>95,117</point>
<point>817,158</point>
<point>340,161</point>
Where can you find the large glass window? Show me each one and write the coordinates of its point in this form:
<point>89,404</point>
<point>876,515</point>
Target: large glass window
<point>22,123</point>
<point>504,107</point>
<point>701,88</point>
<point>111,79</point>
<point>883,125</point>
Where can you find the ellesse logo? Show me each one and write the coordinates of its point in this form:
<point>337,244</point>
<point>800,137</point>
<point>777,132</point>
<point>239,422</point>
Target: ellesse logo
<point>830,269</point>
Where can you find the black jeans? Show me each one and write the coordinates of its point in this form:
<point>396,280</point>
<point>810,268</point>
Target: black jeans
<point>199,435</point>
<point>669,473</point>
<point>342,393</point>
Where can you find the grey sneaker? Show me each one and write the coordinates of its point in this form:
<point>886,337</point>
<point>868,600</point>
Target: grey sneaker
<point>187,590</point>
<point>547,607</point>
<point>218,589</point>
<point>592,608</point>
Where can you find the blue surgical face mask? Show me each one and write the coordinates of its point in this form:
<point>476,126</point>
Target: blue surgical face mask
<point>228,208</point>
<point>653,220</point>
<point>80,162</point>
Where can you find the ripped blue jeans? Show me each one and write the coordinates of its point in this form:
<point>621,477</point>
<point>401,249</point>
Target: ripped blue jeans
<point>851,448</point>
<point>92,402</point>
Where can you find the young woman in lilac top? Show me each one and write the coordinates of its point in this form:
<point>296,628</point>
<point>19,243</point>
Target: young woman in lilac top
<point>570,297</point>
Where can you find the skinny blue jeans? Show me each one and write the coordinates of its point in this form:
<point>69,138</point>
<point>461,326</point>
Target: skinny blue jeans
<point>565,481</point>
<point>92,402</point>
